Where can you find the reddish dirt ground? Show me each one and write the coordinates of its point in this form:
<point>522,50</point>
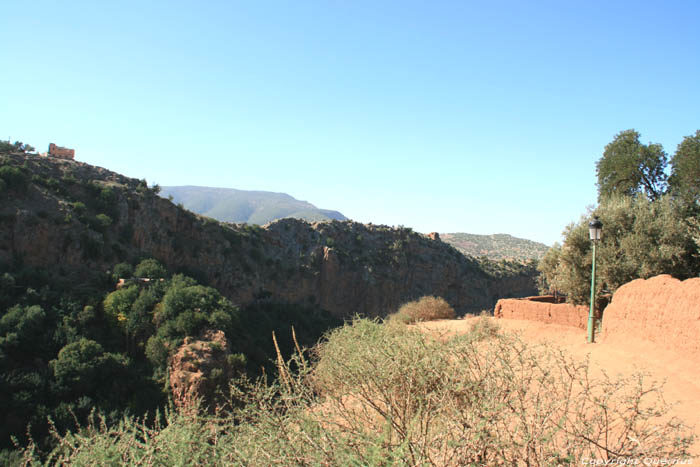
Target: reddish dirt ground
<point>680,373</point>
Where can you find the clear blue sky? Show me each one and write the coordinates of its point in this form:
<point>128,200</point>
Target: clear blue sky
<point>480,117</point>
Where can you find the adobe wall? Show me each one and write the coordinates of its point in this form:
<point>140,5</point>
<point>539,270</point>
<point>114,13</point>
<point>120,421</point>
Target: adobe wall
<point>534,309</point>
<point>662,310</point>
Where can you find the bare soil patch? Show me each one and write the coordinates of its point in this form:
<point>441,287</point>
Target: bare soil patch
<point>624,357</point>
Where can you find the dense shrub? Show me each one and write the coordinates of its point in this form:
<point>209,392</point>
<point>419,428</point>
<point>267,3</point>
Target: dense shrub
<point>13,177</point>
<point>79,207</point>
<point>122,271</point>
<point>484,326</point>
<point>103,221</point>
<point>150,268</point>
<point>83,366</point>
<point>640,239</point>
<point>424,309</point>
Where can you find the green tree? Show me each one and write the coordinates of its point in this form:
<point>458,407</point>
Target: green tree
<point>21,331</point>
<point>547,268</point>
<point>18,146</point>
<point>118,303</point>
<point>684,181</point>
<point>103,221</point>
<point>187,310</point>
<point>640,239</point>
<point>122,271</point>
<point>139,322</point>
<point>150,268</point>
<point>83,366</point>
<point>629,168</point>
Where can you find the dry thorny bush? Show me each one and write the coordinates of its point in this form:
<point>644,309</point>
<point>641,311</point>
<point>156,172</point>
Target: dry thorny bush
<point>383,394</point>
<point>426,308</point>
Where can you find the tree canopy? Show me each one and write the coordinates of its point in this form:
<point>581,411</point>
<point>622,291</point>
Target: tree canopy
<point>684,181</point>
<point>640,239</point>
<point>651,223</point>
<point>629,167</point>
<point>18,146</point>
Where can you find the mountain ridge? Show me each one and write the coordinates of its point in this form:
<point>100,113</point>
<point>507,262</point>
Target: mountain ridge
<point>496,247</point>
<point>249,206</point>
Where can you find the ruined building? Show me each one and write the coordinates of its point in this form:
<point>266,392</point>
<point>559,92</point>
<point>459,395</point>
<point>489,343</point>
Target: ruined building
<point>61,153</point>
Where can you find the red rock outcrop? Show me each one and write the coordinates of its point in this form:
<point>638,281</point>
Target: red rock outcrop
<point>200,368</point>
<point>536,310</point>
<point>662,310</point>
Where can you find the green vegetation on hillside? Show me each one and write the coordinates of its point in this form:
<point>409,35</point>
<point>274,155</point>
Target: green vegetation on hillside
<point>650,223</point>
<point>65,353</point>
<point>6,147</point>
<point>496,247</point>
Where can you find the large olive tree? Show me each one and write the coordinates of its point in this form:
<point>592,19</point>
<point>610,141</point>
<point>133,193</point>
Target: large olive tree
<point>629,168</point>
<point>640,239</point>
<point>684,181</point>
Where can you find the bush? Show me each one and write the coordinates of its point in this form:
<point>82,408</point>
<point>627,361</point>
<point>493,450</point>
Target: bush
<point>424,309</point>
<point>484,326</point>
<point>103,220</point>
<point>79,207</point>
<point>640,239</point>
<point>13,177</point>
<point>151,269</point>
<point>122,271</point>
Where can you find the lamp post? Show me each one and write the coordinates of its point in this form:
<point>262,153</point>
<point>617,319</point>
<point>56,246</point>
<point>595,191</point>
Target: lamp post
<point>594,230</point>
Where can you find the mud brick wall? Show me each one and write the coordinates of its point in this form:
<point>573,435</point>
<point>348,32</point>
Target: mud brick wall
<point>536,310</point>
<point>661,310</point>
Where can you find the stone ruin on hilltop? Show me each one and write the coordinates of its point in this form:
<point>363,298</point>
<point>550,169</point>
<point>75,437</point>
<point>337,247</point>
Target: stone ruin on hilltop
<point>61,152</point>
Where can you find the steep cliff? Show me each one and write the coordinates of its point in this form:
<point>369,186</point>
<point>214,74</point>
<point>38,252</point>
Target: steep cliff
<point>72,219</point>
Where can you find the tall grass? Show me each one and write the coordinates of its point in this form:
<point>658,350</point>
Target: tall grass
<point>375,394</point>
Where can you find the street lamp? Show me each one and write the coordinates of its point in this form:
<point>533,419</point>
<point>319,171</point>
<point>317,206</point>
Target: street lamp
<point>594,230</point>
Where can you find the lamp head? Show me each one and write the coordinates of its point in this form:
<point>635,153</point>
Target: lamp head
<point>594,229</point>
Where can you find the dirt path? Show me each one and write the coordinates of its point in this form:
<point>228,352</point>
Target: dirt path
<point>682,375</point>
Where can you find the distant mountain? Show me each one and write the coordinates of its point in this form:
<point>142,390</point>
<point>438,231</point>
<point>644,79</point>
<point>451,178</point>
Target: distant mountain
<point>496,247</point>
<point>253,207</point>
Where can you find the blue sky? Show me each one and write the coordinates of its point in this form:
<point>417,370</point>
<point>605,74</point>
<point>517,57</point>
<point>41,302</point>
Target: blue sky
<point>450,116</point>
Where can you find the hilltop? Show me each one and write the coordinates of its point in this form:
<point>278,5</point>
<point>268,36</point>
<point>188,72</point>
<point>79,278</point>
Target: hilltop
<point>496,246</point>
<point>72,219</point>
<point>252,207</point>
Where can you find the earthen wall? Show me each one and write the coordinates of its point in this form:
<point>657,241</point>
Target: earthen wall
<point>661,310</point>
<point>534,309</point>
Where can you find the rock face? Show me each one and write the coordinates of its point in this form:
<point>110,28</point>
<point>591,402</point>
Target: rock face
<point>75,219</point>
<point>662,310</point>
<point>536,309</point>
<point>199,369</point>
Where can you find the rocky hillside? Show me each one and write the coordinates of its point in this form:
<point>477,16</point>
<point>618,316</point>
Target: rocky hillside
<point>496,246</point>
<point>252,207</point>
<point>71,219</point>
